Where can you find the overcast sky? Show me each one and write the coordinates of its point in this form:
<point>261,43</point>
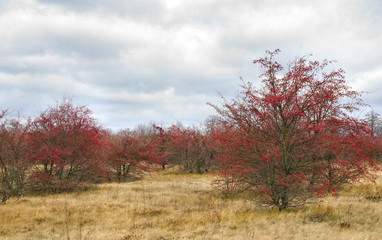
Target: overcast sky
<point>136,61</point>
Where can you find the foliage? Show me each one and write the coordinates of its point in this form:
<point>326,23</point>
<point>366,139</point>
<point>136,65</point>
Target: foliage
<point>187,148</point>
<point>132,154</point>
<point>294,137</point>
<point>14,144</point>
<point>66,146</point>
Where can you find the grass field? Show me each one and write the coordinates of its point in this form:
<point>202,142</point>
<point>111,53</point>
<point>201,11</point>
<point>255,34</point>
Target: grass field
<point>172,206</point>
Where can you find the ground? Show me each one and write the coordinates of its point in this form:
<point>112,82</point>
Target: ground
<point>175,206</point>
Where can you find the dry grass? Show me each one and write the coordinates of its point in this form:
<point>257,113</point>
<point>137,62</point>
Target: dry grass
<point>171,206</point>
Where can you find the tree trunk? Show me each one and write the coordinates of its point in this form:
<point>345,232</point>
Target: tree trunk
<point>284,201</point>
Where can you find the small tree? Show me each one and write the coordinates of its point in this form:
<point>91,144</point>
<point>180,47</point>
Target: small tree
<point>14,165</point>
<point>160,138</point>
<point>132,154</point>
<point>66,143</point>
<point>374,120</point>
<point>293,136</point>
<point>187,148</point>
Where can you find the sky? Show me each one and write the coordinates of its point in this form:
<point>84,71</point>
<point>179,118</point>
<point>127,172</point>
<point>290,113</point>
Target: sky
<point>139,61</point>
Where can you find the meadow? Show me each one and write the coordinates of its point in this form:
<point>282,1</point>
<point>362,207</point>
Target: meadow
<point>169,205</point>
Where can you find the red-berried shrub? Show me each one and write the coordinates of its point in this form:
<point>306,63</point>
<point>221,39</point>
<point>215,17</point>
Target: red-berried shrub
<point>132,154</point>
<point>67,146</point>
<point>160,138</point>
<point>187,148</point>
<point>294,137</point>
<point>14,166</point>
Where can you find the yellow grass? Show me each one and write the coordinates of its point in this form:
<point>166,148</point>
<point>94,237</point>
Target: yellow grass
<point>170,206</point>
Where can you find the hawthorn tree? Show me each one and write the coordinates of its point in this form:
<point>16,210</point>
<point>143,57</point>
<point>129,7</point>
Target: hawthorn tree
<point>132,154</point>
<point>212,127</point>
<point>187,148</point>
<point>14,145</point>
<point>67,146</point>
<point>160,138</point>
<point>293,137</point>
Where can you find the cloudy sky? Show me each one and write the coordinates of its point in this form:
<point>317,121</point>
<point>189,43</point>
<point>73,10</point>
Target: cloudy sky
<point>136,61</point>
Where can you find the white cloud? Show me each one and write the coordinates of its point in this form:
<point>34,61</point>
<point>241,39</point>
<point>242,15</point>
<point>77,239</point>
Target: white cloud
<point>162,59</point>
<point>370,82</point>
